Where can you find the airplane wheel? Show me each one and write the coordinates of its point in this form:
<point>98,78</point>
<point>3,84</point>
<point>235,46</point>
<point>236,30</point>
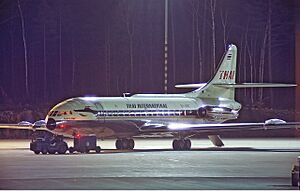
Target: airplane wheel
<point>118,144</point>
<point>187,144</point>
<point>130,144</point>
<point>181,144</point>
<point>175,144</point>
<point>125,144</point>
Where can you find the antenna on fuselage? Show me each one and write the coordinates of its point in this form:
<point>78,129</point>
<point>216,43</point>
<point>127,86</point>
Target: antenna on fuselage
<point>126,94</point>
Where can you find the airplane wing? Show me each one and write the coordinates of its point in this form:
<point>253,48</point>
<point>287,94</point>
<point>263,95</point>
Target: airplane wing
<point>137,128</point>
<point>23,127</point>
<point>216,128</point>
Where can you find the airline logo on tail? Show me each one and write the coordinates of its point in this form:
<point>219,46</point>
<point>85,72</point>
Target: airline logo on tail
<point>226,75</point>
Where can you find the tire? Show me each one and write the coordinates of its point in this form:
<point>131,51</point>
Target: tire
<point>181,144</point>
<point>62,149</point>
<point>175,144</point>
<point>98,149</point>
<point>51,151</point>
<point>119,144</point>
<point>71,150</point>
<point>125,144</point>
<point>36,152</point>
<point>130,144</point>
<point>44,150</point>
<point>187,144</point>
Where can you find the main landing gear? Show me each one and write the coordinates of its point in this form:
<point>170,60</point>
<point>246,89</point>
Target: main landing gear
<point>178,144</point>
<point>124,144</point>
<point>182,144</point>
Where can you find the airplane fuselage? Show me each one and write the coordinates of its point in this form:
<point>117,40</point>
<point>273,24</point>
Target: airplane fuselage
<point>128,116</point>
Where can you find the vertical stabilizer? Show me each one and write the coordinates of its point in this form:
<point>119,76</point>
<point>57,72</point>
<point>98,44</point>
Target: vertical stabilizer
<point>226,74</point>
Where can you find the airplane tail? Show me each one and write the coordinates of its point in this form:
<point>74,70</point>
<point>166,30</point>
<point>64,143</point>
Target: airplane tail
<point>223,84</point>
<point>218,86</point>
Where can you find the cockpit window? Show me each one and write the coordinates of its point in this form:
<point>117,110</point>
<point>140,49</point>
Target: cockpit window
<point>60,113</point>
<point>55,112</point>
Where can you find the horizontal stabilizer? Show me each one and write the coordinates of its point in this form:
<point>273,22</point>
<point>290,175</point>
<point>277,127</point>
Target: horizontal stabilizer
<point>191,86</point>
<point>242,85</point>
<point>256,85</point>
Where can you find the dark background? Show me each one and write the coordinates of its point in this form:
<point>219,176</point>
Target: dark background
<point>107,47</point>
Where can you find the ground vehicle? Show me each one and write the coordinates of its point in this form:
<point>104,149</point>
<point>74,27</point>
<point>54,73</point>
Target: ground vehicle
<point>84,144</point>
<point>295,175</point>
<point>49,144</point>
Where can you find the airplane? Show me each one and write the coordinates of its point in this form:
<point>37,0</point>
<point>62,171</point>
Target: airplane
<point>182,116</point>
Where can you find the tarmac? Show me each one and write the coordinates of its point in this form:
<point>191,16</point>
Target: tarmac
<point>243,164</point>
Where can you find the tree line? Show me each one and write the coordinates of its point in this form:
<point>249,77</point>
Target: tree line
<point>51,50</point>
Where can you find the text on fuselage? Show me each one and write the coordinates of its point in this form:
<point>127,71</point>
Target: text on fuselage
<point>147,105</point>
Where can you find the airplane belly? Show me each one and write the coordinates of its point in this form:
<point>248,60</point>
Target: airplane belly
<point>107,129</point>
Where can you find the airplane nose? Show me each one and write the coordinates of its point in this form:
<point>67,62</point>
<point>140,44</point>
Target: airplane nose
<point>51,124</point>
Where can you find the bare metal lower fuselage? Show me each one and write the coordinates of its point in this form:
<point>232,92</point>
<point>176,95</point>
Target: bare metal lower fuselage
<point>138,115</point>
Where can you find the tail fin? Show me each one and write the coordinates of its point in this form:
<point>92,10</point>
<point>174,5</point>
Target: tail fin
<point>225,75</point>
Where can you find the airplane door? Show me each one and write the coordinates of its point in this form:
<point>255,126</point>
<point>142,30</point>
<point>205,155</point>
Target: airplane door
<point>100,115</point>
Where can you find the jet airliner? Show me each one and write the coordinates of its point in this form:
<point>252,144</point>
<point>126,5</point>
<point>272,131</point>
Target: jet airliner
<point>182,116</point>
<point>146,115</point>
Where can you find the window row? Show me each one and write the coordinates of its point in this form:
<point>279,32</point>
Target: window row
<point>146,113</point>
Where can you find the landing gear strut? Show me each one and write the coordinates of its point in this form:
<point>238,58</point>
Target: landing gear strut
<point>124,144</point>
<point>182,144</point>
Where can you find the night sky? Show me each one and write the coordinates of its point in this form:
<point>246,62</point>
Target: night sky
<point>107,47</point>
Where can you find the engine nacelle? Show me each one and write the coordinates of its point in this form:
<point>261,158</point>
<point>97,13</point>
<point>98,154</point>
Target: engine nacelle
<point>202,112</point>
